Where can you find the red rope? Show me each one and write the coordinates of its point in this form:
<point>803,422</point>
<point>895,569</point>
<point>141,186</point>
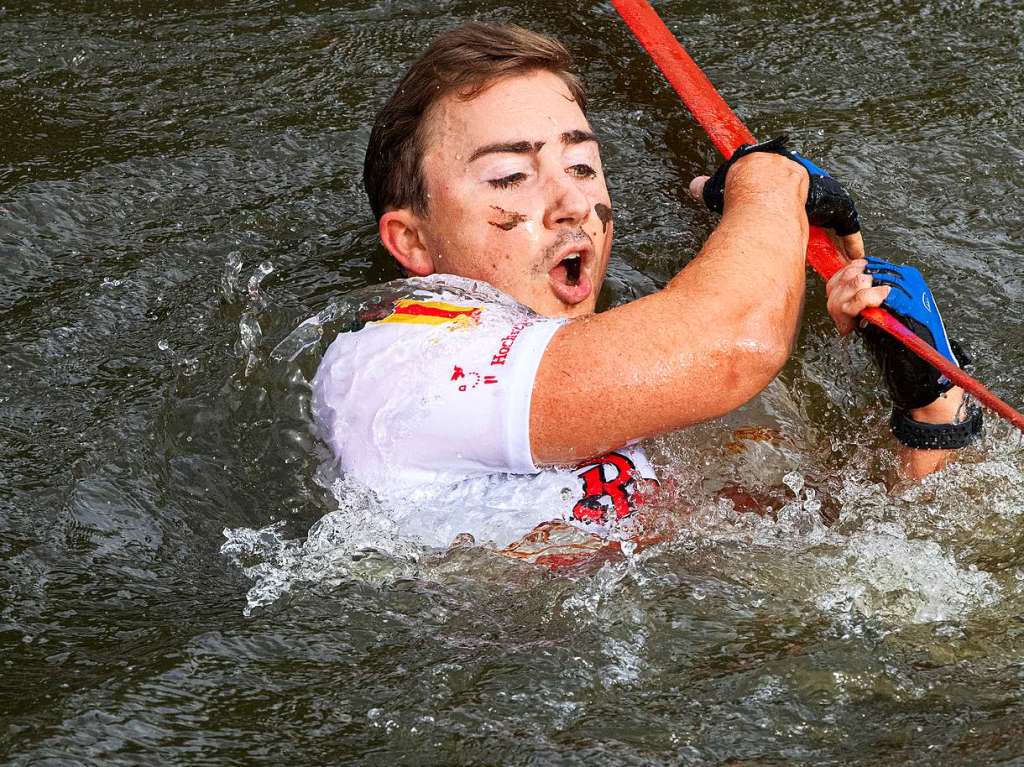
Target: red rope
<point>727,132</point>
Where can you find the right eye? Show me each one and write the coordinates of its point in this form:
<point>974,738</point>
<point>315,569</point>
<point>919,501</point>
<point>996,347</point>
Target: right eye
<point>507,182</point>
<point>582,170</point>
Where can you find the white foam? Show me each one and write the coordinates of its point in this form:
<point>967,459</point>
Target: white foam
<point>884,574</point>
<point>357,541</point>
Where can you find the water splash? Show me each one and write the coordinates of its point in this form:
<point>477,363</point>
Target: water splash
<point>231,276</point>
<point>883,574</point>
<point>368,304</point>
<point>306,335</point>
<point>357,541</point>
<point>611,602</point>
<point>250,332</point>
<point>257,298</point>
<point>875,560</point>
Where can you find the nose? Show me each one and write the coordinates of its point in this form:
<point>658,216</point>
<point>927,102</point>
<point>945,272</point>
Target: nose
<point>566,204</point>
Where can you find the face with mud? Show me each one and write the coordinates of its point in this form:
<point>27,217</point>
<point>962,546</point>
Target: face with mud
<point>517,195</point>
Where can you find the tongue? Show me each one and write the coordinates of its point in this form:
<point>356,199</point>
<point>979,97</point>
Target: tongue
<point>560,273</point>
<point>570,283</point>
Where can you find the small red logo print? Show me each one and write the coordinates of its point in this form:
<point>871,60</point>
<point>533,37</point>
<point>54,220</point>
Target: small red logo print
<point>472,379</point>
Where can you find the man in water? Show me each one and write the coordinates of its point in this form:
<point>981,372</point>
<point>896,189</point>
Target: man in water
<point>490,398</point>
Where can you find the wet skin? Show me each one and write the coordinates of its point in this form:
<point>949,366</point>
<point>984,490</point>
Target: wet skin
<point>508,219</point>
<point>518,202</point>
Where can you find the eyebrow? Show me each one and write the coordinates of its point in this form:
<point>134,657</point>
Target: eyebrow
<point>579,137</point>
<point>514,147</point>
<point>569,138</point>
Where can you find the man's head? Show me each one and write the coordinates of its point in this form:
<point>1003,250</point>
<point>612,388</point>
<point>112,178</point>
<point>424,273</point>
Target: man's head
<point>483,164</point>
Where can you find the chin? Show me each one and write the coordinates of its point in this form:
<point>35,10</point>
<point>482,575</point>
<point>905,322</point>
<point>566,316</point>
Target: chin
<point>551,306</point>
<point>579,310</point>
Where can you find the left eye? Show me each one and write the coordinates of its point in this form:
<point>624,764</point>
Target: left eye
<point>507,182</point>
<point>581,171</point>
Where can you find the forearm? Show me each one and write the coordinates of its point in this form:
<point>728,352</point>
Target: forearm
<point>751,269</point>
<point>916,463</point>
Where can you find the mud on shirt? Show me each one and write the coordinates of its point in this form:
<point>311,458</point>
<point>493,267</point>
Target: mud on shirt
<point>428,404</point>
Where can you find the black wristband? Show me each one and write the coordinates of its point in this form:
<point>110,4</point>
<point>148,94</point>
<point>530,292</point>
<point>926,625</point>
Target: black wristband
<point>714,188</point>
<point>936,436</point>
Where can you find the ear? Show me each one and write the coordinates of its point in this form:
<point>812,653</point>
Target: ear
<point>401,231</point>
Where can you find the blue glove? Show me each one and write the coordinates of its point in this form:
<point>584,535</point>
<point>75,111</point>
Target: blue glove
<point>828,204</point>
<point>911,381</point>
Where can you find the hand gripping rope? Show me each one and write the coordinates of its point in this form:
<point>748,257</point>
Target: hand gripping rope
<point>727,133</point>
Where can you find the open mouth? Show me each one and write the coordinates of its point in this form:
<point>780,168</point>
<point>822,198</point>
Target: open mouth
<point>569,281</point>
<point>571,267</point>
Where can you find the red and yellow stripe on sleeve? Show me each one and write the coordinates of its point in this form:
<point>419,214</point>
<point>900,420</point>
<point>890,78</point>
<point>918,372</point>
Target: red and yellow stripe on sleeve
<point>413,312</point>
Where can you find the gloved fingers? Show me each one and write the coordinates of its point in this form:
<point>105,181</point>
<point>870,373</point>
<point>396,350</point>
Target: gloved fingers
<point>892,283</point>
<point>884,270</point>
<point>881,265</point>
<point>904,273</point>
<point>828,204</point>
<point>864,298</point>
<point>847,275</point>
<point>850,290</point>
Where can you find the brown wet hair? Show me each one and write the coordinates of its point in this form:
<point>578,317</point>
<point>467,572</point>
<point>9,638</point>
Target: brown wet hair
<point>464,61</point>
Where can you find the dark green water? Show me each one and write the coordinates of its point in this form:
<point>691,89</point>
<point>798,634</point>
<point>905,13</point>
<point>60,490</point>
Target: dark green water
<point>154,155</point>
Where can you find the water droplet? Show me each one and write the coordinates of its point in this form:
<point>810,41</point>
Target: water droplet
<point>794,481</point>
<point>190,366</point>
<point>229,279</point>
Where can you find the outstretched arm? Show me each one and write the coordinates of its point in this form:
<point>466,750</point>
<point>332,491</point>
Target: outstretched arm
<point>705,344</point>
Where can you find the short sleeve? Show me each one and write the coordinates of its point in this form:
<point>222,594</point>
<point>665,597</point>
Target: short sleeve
<point>437,391</point>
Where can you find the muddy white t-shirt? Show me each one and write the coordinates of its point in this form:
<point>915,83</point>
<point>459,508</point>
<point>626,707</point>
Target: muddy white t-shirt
<point>428,404</point>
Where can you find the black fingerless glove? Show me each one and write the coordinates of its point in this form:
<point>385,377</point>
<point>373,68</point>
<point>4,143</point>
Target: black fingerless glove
<point>912,382</point>
<point>828,204</point>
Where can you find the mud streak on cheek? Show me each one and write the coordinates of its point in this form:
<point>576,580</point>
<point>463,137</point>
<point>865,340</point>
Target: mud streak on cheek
<point>605,214</point>
<point>507,219</point>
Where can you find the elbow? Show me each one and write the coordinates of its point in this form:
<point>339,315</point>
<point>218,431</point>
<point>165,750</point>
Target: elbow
<point>767,337</point>
<point>763,359</point>
<point>757,356</point>
<point>773,342</point>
